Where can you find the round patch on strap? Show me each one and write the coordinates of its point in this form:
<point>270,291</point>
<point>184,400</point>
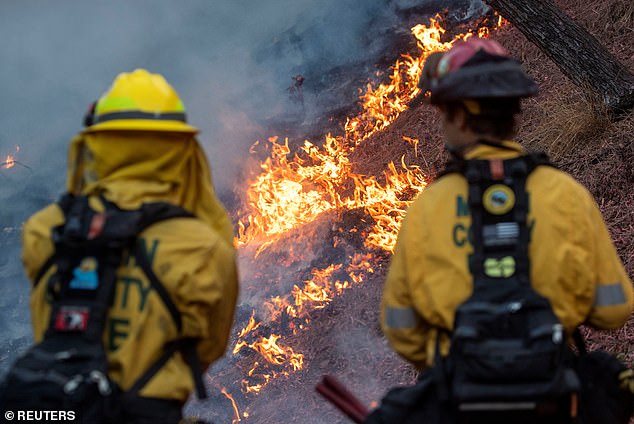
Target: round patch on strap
<point>498,199</point>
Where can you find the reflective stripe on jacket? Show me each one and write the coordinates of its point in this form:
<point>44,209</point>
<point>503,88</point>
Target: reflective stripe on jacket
<point>573,261</point>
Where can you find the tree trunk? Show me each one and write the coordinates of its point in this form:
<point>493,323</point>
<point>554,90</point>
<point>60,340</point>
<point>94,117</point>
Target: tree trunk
<point>574,50</point>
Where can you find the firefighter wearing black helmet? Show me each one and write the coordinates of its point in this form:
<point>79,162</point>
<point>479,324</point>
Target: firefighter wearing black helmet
<point>572,261</point>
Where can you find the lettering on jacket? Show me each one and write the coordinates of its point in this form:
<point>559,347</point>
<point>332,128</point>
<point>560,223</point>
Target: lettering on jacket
<point>118,326</point>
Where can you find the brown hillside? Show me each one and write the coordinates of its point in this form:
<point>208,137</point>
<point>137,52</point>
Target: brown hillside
<point>567,122</point>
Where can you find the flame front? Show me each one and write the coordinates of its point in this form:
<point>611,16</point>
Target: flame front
<point>294,189</point>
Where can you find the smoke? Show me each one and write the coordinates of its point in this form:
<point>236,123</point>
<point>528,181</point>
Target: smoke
<point>232,63</point>
<point>60,56</point>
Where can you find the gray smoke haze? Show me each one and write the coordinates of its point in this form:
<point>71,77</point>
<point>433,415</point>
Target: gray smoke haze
<point>231,62</point>
<point>57,57</point>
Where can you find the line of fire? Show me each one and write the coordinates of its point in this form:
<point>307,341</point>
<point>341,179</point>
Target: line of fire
<point>293,189</point>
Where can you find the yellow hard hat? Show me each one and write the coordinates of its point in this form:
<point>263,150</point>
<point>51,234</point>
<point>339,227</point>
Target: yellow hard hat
<point>139,100</point>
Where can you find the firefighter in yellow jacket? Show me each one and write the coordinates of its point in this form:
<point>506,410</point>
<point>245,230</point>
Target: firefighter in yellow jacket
<point>136,148</point>
<point>566,254</point>
<point>573,261</point>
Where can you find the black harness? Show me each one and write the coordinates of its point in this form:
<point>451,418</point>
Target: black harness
<point>508,349</point>
<point>508,361</point>
<point>499,204</point>
<point>70,367</point>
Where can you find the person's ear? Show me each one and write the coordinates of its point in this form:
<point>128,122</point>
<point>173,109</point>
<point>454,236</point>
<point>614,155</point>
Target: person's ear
<point>460,119</point>
<point>444,112</point>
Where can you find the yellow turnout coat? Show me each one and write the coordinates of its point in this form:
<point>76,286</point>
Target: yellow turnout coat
<point>573,261</point>
<point>193,258</point>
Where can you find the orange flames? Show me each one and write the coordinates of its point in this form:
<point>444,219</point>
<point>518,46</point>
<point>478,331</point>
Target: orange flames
<point>236,413</point>
<point>414,142</point>
<point>9,160</point>
<point>275,355</point>
<point>294,189</point>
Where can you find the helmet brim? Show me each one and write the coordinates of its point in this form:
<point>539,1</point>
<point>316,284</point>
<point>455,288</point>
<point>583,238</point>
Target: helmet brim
<point>142,125</point>
<point>504,79</point>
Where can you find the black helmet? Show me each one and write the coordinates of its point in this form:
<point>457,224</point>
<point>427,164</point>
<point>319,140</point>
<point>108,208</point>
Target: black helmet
<point>475,69</point>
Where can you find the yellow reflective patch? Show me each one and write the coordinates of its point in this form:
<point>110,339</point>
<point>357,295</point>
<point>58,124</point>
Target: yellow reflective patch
<point>498,199</point>
<point>499,268</point>
<point>115,104</point>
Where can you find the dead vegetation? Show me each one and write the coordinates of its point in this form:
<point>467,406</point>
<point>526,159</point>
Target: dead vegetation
<point>566,122</point>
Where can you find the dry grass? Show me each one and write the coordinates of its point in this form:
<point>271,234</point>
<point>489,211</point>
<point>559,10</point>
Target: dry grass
<point>566,122</point>
<point>606,17</point>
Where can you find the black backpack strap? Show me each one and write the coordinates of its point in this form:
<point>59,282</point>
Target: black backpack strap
<point>439,371</point>
<point>64,204</point>
<point>186,346</point>
<point>43,269</point>
<point>168,350</point>
<point>579,341</point>
<point>188,349</point>
<point>458,165</point>
<point>454,165</point>
<point>143,262</point>
<point>152,213</point>
<point>472,173</point>
<point>519,170</point>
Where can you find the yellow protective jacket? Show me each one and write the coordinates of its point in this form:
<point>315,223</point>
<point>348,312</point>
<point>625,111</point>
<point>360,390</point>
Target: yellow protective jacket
<point>193,258</point>
<point>573,261</point>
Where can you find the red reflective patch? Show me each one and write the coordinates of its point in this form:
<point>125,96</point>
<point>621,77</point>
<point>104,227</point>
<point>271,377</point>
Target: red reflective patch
<point>96,225</point>
<point>497,169</point>
<point>71,318</point>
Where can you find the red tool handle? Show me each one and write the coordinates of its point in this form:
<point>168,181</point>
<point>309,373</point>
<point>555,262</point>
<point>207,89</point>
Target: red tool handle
<point>339,388</point>
<point>345,401</point>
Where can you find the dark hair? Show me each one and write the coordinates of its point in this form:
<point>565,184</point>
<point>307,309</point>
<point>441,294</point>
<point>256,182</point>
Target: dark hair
<point>494,117</point>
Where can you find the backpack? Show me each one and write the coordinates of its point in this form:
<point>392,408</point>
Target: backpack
<point>509,356</point>
<point>68,369</point>
<point>508,361</point>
